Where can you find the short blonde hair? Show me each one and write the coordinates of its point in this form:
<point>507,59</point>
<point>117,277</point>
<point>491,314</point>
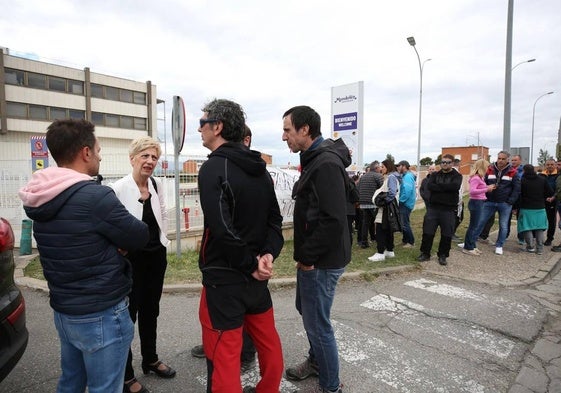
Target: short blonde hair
<point>480,167</point>
<point>143,143</point>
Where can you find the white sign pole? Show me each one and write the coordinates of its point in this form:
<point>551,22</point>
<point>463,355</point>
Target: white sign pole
<point>178,135</point>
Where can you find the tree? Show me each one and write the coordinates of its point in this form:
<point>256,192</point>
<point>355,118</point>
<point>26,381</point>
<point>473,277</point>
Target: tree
<point>438,159</point>
<point>426,161</point>
<point>543,156</point>
<point>390,157</point>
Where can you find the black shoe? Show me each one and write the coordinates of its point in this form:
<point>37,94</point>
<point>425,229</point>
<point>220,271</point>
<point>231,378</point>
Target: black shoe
<point>548,242</point>
<point>556,248</point>
<point>198,352</point>
<point>423,257</point>
<point>442,260</point>
<point>127,387</point>
<point>247,365</point>
<point>168,372</point>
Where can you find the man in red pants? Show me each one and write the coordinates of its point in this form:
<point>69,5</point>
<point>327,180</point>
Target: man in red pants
<point>242,236</point>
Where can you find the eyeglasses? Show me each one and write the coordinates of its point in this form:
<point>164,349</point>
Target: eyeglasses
<point>446,162</point>
<point>202,122</point>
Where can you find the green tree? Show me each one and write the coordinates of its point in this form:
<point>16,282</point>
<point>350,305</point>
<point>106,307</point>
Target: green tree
<point>543,156</point>
<point>438,159</point>
<point>390,157</point>
<point>426,161</point>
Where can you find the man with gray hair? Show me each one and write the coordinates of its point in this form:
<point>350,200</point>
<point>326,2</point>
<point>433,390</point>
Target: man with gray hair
<point>367,185</point>
<point>505,193</point>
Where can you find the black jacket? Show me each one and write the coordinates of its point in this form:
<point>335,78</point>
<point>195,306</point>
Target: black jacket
<point>444,188</point>
<point>321,233</point>
<point>367,185</point>
<point>242,218</point>
<point>533,191</point>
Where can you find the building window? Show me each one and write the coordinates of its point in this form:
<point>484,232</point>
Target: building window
<point>15,109</point>
<point>58,113</point>
<point>126,122</point>
<point>97,118</point>
<point>57,84</point>
<point>111,120</point>
<point>76,87</point>
<point>97,90</point>
<point>36,80</point>
<point>126,95</point>
<point>111,93</point>
<point>37,112</point>
<point>139,123</point>
<point>13,77</point>
<point>139,98</point>
<point>76,114</point>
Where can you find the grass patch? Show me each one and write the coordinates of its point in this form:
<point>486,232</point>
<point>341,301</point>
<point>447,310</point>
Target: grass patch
<point>185,269</point>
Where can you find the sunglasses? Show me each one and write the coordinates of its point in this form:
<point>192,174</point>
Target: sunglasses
<point>446,162</point>
<point>202,122</point>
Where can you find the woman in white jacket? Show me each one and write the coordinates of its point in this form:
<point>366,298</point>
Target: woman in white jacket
<point>143,196</point>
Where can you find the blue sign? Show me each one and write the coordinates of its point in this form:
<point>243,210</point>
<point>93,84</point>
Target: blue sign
<point>345,121</point>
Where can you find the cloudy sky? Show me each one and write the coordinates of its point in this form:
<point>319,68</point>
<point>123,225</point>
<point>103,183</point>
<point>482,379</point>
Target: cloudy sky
<point>272,55</point>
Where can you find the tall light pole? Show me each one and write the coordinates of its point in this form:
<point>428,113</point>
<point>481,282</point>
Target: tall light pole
<point>533,117</point>
<point>522,62</point>
<point>411,41</point>
<point>165,165</point>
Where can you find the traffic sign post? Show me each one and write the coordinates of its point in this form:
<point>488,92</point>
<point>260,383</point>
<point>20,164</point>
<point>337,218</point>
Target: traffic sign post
<point>178,135</point>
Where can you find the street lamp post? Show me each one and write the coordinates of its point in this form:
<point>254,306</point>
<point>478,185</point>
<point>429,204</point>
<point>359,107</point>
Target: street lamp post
<point>412,42</point>
<point>159,101</point>
<point>533,117</point>
<point>522,62</point>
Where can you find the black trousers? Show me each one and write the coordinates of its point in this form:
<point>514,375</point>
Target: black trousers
<point>551,211</point>
<point>368,227</point>
<point>148,269</point>
<point>434,218</point>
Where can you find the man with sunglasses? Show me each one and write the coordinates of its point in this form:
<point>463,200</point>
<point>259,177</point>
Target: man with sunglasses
<point>444,187</point>
<point>237,252</point>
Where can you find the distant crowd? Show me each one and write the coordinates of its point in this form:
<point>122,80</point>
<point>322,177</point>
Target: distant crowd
<point>387,194</point>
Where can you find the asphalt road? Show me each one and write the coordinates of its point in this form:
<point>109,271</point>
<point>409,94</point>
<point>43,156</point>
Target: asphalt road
<point>408,332</point>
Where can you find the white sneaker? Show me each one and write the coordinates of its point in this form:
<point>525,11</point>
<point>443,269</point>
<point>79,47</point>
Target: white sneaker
<point>499,250</point>
<point>377,257</point>
<point>461,245</point>
<point>389,254</point>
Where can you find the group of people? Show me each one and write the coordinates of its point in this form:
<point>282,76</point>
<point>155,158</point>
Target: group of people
<point>505,188</point>
<point>103,252</point>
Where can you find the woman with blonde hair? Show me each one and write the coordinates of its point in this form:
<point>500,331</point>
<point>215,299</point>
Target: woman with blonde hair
<point>143,196</point>
<point>477,198</point>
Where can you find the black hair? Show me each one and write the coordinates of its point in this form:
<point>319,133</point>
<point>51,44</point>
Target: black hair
<point>304,115</point>
<point>65,139</point>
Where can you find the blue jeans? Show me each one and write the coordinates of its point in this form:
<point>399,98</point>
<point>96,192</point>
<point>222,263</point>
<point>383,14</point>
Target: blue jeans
<point>315,291</point>
<point>475,207</point>
<point>94,349</point>
<point>489,209</point>
<point>405,214</point>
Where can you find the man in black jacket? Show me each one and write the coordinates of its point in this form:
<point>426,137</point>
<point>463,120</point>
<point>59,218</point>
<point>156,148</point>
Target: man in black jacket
<point>242,236</point>
<point>444,187</point>
<point>367,185</point>
<point>321,239</point>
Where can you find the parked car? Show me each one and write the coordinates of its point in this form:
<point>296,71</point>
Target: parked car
<point>13,332</point>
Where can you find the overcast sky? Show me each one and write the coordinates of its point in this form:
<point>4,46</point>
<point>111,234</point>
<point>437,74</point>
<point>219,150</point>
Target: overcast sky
<point>272,55</point>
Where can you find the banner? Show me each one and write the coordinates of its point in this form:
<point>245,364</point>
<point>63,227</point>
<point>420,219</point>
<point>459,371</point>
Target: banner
<point>347,107</point>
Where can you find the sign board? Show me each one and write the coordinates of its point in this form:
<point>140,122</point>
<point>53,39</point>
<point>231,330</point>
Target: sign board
<point>347,103</point>
<point>178,124</point>
<point>39,153</point>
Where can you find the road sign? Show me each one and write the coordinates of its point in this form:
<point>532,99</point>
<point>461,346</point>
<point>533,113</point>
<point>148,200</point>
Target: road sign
<point>178,124</point>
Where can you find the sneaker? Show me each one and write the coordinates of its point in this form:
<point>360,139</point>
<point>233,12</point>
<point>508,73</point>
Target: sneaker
<point>470,252</point>
<point>303,370</point>
<point>198,352</point>
<point>377,257</point>
<point>521,242</point>
<point>423,258</point>
<point>247,365</point>
<point>461,245</point>
<point>556,248</point>
<point>407,245</point>
<point>442,260</point>
<point>389,254</point>
<point>249,389</point>
<point>319,389</point>
<point>530,249</point>
<point>548,242</point>
<point>477,250</point>
<point>499,250</point>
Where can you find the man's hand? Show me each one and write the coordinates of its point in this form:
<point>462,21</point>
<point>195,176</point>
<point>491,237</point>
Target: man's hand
<point>264,269</point>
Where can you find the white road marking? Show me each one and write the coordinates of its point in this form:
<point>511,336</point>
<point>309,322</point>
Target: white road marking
<point>479,338</point>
